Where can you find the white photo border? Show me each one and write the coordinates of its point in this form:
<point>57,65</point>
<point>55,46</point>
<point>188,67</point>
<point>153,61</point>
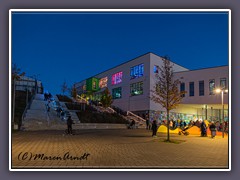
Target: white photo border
<point>117,10</point>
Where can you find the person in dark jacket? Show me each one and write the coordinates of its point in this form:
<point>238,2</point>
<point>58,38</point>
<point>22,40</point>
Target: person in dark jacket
<point>69,125</point>
<point>154,128</point>
<point>213,129</point>
<point>203,128</point>
<point>132,124</point>
<point>147,121</point>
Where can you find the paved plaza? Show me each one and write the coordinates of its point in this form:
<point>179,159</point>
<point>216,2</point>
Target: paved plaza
<point>123,148</point>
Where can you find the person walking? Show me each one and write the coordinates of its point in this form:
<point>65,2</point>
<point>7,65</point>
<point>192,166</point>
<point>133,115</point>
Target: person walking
<point>213,129</point>
<point>154,128</point>
<point>69,125</point>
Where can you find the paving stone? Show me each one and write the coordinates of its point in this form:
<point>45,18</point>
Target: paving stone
<point>122,148</point>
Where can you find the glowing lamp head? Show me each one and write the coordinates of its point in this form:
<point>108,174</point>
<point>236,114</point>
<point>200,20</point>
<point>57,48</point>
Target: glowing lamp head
<point>218,90</point>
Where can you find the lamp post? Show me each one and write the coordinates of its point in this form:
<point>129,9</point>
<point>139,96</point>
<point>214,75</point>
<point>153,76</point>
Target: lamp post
<point>27,93</point>
<point>222,92</point>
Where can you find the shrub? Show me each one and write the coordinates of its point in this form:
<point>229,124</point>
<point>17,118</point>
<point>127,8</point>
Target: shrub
<point>63,98</point>
<point>94,117</point>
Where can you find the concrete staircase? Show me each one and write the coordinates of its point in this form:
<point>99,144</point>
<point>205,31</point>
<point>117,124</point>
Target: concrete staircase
<point>37,117</point>
<point>139,121</point>
<point>72,113</point>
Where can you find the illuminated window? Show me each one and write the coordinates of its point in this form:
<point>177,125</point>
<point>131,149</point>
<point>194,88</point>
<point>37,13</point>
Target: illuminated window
<point>117,93</point>
<point>223,83</point>
<point>155,69</point>
<point>94,85</point>
<point>136,88</point>
<point>211,86</point>
<point>103,82</point>
<point>137,71</point>
<point>117,78</point>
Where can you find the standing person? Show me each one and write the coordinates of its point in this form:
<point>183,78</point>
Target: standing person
<point>213,129</point>
<point>69,125</point>
<point>154,128</point>
<point>174,124</point>
<point>48,108</point>
<point>132,124</point>
<point>203,129</point>
<point>45,96</point>
<point>147,121</point>
<point>58,111</point>
<point>184,123</point>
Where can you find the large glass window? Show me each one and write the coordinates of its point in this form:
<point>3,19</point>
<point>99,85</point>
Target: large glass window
<point>182,88</point>
<point>211,86</point>
<point>117,78</point>
<point>223,83</point>
<point>117,93</point>
<point>137,71</point>
<point>201,88</point>
<point>136,88</point>
<point>94,85</point>
<point>155,69</point>
<point>103,82</point>
<point>191,89</point>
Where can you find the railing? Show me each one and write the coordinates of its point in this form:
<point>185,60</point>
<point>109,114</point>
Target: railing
<point>27,107</point>
<point>111,109</point>
<point>119,111</point>
<point>136,116</point>
<point>83,99</point>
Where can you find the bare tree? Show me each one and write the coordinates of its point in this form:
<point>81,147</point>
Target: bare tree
<point>64,87</point>
<point>16,72</point>
<point>73,92</point>
<point>166,90</point>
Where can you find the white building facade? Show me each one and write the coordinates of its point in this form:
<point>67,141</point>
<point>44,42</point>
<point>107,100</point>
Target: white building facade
<point>130,84</point>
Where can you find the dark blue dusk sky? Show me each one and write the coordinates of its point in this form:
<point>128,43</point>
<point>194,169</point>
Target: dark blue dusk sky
<point>75,46</point>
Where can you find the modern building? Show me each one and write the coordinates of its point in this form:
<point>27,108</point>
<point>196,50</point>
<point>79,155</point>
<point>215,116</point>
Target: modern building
<point>131,83</point>
<point>32,84</point>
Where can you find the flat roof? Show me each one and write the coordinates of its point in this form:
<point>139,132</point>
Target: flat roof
<point>155,55</point>
<point>202,69</point>
<point>128,62</point>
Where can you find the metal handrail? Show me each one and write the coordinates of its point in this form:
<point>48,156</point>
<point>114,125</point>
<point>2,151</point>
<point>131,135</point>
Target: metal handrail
<point>129,112</point>
<point>86,101</point>
<point>27,107</point>
<point>111,109</point>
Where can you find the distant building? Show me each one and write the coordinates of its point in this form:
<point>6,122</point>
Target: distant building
<point>29,83</point>
<point>131,82</point>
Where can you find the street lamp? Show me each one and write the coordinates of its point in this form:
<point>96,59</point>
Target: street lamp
<point>222,92</point>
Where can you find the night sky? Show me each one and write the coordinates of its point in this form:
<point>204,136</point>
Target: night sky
<point>58,47</point>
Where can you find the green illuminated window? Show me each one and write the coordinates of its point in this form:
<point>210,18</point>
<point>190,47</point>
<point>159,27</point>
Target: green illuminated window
<point>136,88</point>
<point>117,93</point>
